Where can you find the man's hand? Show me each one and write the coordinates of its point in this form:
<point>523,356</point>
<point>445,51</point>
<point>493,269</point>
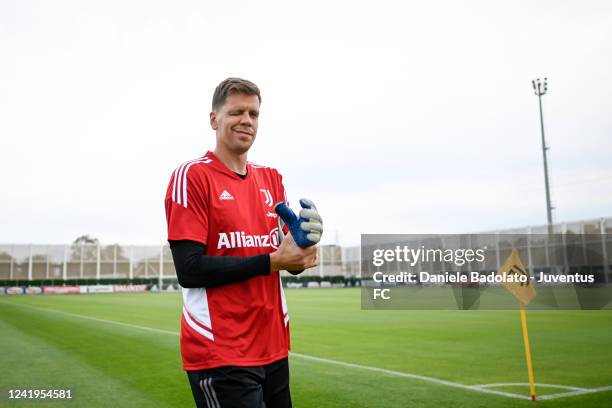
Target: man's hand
<point>291,257</point>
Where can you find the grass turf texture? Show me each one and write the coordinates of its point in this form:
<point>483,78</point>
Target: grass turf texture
<point>122,366</point>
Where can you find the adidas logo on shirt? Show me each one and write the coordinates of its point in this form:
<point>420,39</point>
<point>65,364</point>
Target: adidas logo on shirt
<point>225,196</point>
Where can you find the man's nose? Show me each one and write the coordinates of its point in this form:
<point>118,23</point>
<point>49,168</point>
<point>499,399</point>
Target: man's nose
<point>245,119</point>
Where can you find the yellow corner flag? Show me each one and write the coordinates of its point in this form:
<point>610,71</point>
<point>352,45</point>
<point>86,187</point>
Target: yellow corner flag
<point>524,292</point>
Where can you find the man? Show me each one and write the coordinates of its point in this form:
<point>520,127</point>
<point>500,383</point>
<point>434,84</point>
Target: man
<point>224,236</point>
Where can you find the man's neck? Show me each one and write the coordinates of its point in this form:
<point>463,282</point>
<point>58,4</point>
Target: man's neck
<point>236,163</point>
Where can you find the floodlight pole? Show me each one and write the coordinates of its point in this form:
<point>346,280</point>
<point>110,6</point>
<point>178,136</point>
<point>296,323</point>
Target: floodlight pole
<point>539,89</point>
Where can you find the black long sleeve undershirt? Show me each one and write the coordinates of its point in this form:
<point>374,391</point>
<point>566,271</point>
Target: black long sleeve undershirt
<point>195,269</point>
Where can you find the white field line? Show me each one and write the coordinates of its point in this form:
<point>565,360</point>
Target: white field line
<point>573,393</point>
<point>566,387</point>
<point>410,375</point>
<point>478,388</point>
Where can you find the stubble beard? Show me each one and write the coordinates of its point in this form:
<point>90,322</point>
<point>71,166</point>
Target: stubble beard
<point>239,148</point>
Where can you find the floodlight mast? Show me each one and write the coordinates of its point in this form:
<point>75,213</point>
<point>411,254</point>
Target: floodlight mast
<point>539,89</point>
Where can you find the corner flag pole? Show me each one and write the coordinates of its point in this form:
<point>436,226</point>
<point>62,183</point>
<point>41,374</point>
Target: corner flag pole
<point>524,292</point>
<point>528,352</point>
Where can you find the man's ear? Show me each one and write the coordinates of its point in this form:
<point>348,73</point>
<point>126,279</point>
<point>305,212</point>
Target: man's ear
<point>213,120</point>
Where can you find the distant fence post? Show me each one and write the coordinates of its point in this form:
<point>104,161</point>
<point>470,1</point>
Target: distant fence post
<point>497,251</point>
<point>529,259</point>
<point>81,263</point>
<point>115,261</point>
<point>30,264</point>
<point>47,262</point>
<point>65,266</point>
<point>602,230</point>
<point>98,263</point>
<point>12,273</point>
<point>161,265</point>
<point>131,274</point>
<point>321,267</point>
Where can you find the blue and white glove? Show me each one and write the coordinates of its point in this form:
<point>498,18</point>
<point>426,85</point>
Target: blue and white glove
<point>305,230</point>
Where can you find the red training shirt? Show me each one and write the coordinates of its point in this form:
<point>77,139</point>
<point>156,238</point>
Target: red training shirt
<point>243,323</point>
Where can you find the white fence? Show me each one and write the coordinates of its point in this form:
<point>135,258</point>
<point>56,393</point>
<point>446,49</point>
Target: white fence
<point>63,262</point>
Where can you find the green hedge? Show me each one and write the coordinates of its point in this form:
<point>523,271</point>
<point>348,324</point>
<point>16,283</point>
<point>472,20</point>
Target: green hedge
<point>77,282</point>
<point>334,279</point>
<point>351,281</point>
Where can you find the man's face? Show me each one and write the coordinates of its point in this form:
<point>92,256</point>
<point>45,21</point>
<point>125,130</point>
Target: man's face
<point>236,122</point>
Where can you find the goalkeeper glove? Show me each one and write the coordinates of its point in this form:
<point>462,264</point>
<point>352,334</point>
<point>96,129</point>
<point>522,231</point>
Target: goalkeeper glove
<point>305,230</point>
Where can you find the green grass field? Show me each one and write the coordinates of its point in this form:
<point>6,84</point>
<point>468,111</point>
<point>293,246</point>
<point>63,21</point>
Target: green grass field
<point>99,346</point>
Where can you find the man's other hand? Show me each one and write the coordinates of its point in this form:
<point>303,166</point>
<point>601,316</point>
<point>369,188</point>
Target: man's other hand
<point>291,257</point>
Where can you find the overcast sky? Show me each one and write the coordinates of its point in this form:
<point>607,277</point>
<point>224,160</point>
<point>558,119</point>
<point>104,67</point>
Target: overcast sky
<point>394,117</point>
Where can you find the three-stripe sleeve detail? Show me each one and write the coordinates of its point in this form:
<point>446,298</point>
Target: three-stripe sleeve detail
<point>179,186</point>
